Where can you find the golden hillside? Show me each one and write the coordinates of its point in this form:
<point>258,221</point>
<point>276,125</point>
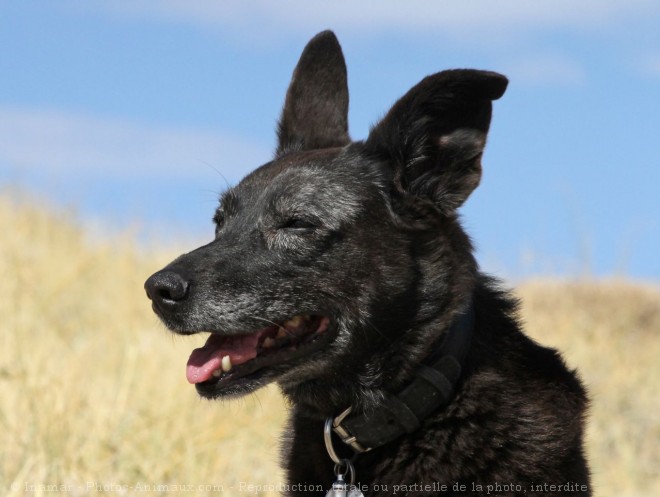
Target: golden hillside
<point>94,397</point>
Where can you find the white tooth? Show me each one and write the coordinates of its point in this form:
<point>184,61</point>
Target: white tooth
<point>268,342</point>
<point>226,364</point>
<point>217,373</point>
<point>294,322</point>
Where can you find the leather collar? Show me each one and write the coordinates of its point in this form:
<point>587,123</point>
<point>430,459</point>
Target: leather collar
<point>432,387</point>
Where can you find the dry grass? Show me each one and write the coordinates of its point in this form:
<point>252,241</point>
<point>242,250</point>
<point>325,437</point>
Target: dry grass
<point>93,390</point>
<point>611,331</point>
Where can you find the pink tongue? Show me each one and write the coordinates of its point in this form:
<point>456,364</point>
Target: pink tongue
<point>205,360</point>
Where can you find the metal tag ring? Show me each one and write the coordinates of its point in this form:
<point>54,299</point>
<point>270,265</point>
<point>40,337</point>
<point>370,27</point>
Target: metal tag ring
<point>327,436</point>
<point>349,470</point>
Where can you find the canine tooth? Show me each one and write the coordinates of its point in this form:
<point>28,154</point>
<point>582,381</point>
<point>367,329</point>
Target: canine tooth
<point>217,373</point>
<point>281,333</point>
<point>226,364</point>
<point>268,342</point>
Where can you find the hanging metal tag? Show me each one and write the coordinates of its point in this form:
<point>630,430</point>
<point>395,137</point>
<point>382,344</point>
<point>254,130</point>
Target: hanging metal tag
<point>343,467</point>
<point>341,488</point>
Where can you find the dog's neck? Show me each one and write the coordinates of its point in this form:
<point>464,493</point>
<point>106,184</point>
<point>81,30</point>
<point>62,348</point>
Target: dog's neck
<point>432,387</point>
<point>376,373</point>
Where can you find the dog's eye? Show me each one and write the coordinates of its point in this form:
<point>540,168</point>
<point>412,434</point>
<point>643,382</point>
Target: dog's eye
<point>298,225</point>
<point>218,220</point>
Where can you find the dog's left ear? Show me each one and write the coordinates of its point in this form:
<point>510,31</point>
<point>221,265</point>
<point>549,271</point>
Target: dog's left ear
<point>315,113</point>
<point>435,134</point>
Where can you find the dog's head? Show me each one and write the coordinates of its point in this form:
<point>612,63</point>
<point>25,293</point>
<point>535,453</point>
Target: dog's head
<point>336,265</point>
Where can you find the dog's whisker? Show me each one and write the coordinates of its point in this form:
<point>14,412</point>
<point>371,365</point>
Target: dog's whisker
<point>218,172</point>
<point>273,323</point>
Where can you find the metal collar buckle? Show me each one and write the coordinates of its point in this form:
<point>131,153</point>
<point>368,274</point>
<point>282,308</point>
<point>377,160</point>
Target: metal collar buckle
<point>343,433</point>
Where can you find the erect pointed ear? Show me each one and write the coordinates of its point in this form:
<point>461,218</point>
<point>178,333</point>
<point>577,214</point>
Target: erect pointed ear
<point>435,134</point>
<point>315,113</point>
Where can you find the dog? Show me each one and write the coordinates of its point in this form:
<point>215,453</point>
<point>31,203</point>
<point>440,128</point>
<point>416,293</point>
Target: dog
<point>340,271</point>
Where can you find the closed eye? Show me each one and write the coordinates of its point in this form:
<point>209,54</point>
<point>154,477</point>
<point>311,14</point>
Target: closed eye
<point>298,225</point>
<point>219,221</point>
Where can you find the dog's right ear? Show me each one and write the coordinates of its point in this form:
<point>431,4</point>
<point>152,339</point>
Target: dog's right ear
<point>315,113</point>
<point>435,134</point>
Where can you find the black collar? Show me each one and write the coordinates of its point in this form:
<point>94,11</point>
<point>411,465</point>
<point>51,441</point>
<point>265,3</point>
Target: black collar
<point>432,387</point>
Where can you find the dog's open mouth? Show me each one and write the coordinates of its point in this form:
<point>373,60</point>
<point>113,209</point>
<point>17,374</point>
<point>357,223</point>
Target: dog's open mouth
<point>224,358</point>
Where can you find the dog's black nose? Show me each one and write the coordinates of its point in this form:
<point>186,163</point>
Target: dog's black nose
<point>166,288</point>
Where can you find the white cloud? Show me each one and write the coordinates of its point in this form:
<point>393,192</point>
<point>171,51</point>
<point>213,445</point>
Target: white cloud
<point>256,18</point>
<point>60,143</point>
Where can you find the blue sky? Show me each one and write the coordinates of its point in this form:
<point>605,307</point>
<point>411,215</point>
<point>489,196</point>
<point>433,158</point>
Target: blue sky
<point>141,112</point>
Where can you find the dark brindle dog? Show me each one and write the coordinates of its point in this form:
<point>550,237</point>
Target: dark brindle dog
<point>340,271</point>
